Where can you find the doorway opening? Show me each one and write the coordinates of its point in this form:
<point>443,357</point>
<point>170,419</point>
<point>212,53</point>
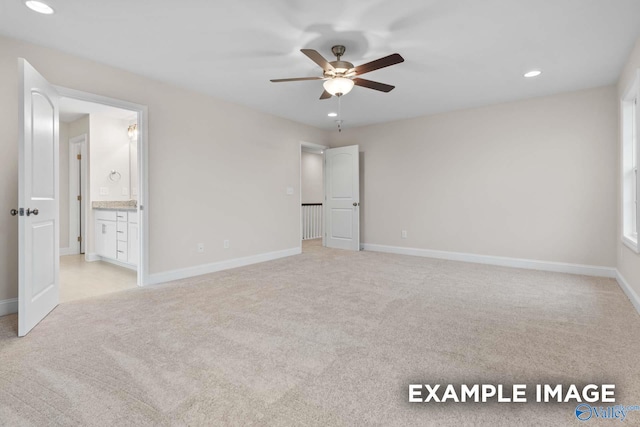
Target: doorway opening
<point>339,191</point>
<point>99,176</point>
<point>311,194</point>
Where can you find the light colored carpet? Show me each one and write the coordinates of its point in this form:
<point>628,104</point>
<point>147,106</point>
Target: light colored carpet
<point>81,279</point>
<point>324,338</point>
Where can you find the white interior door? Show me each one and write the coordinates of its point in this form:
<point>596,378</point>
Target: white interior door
<point>342,198</point>
<point>39,248</point>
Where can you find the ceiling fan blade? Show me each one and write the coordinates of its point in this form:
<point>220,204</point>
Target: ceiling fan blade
<point>325,95</point>
<point>318,59</point>
<point>387,61</point>
<point>296,79</point>
<point>373,85</point>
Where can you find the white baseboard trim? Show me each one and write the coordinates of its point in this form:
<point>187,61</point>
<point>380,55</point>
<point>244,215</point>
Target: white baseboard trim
<point>119,263</point>
<point>559,267</point>
<point>68,251</point>
<point>199,270</point>
<point>91,257</point>
<point>628,290</point>
<point>8,306</point>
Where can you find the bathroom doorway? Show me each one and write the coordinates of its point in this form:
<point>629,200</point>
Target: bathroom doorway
<point>99,199</point>
<point>311,194</point>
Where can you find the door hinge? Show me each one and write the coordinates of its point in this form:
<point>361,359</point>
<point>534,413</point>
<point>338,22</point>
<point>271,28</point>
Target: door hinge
<point>79,157</point>
<point>79,198</point>
<point>79,238</point>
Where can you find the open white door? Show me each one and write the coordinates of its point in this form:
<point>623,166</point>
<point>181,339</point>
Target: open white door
<point>342,198</point>
<point>39,262</point>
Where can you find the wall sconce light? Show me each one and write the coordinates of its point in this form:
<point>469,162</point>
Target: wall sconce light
<point>132,131</point>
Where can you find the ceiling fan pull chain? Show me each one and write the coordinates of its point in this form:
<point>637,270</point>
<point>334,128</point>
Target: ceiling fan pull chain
<point>339,114</point>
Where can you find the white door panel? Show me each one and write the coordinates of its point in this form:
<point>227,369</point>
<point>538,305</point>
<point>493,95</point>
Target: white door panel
<point>341,223</point>
<point>342,194</point>
<point>341,175</point>
<point>38,287</point>
<point>42,146</point>
<point>42,266</point>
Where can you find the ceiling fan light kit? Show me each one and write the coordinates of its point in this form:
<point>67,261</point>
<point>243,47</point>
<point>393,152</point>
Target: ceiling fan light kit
<point>338,86</point>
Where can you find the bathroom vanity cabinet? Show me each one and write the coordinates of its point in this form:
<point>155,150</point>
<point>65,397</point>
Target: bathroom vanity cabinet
<point>116,235</point>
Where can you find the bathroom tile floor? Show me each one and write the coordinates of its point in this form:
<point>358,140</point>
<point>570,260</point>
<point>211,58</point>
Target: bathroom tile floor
<point>82,279</point>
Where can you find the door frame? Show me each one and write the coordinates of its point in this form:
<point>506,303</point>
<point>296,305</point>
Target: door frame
<point>81,141</point>
<point>143,171</point>
<point>314,146</point>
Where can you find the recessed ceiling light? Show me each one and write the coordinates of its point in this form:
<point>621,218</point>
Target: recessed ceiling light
<point>332,114</point>
<point>40,7</point>
<point>533,73</point>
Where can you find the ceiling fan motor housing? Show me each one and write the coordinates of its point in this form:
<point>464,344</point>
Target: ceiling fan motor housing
<point>341,68</point>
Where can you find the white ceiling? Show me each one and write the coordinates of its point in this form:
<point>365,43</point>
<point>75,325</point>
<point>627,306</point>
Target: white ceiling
<point>459,53</point>
<point>73,109</point>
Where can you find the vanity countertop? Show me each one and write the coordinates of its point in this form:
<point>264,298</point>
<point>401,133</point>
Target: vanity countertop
<point>121,204</point>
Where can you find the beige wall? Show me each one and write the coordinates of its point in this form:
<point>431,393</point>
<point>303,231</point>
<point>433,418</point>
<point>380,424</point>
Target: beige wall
<point>64,184</point>
<point>311,177</point>
<point>533,179</point>
<point>203,186</point>
<point>628,261</point>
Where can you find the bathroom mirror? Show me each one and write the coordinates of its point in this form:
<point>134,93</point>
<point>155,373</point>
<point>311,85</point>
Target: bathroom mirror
<point>133,161</point>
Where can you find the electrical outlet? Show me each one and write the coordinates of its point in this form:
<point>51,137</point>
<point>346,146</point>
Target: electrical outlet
<point>200,248</point>
<point>125,191</point>
<point>404,234</point>
<point>104,191</point>
<point>226,244</point>
<point>289,191</point>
